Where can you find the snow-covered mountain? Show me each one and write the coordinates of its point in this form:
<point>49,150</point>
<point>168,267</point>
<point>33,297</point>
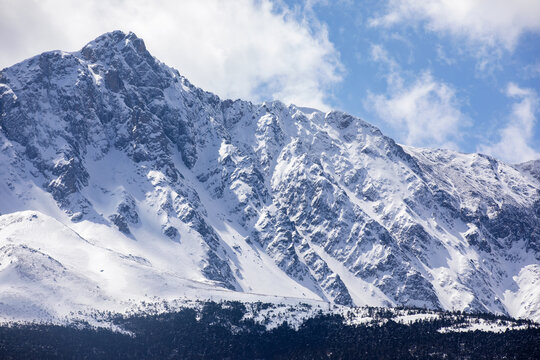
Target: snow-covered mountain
<point>121,182</point>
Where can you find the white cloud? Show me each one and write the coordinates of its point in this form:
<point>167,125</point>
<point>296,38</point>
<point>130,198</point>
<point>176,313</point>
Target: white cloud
<point>243,48</point>
<point>514,145</point>
<point>424,113</point>
<point>488,22</point>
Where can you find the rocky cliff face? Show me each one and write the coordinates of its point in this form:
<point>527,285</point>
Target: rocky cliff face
<point>128,157</point>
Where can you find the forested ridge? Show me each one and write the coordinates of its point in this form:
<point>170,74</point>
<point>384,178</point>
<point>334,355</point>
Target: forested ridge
<point>221,331</point>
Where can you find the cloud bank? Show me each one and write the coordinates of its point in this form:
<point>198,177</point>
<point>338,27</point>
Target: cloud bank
<point>489,22</point>
<point>238,49</point>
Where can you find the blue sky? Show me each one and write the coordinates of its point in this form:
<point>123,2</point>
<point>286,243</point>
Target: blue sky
<point>461,74</point>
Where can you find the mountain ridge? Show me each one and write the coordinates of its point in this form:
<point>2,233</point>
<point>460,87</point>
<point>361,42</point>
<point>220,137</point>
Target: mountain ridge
<point>253,198</point>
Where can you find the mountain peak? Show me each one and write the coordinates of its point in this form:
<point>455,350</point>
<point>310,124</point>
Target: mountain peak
<point>117,41</point>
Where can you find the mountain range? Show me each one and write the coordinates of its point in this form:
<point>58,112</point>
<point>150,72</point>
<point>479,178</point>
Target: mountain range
<point>121,182</point>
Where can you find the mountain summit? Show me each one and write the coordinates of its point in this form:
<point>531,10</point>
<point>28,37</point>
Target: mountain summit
<point>122,182</point>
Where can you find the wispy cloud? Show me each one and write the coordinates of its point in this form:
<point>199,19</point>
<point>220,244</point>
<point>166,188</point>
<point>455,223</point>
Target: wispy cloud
<point>515,139</point>
<point>425,112</point>
<point>239,49</point>
<point>443,57</point>
<point>532,70</point>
